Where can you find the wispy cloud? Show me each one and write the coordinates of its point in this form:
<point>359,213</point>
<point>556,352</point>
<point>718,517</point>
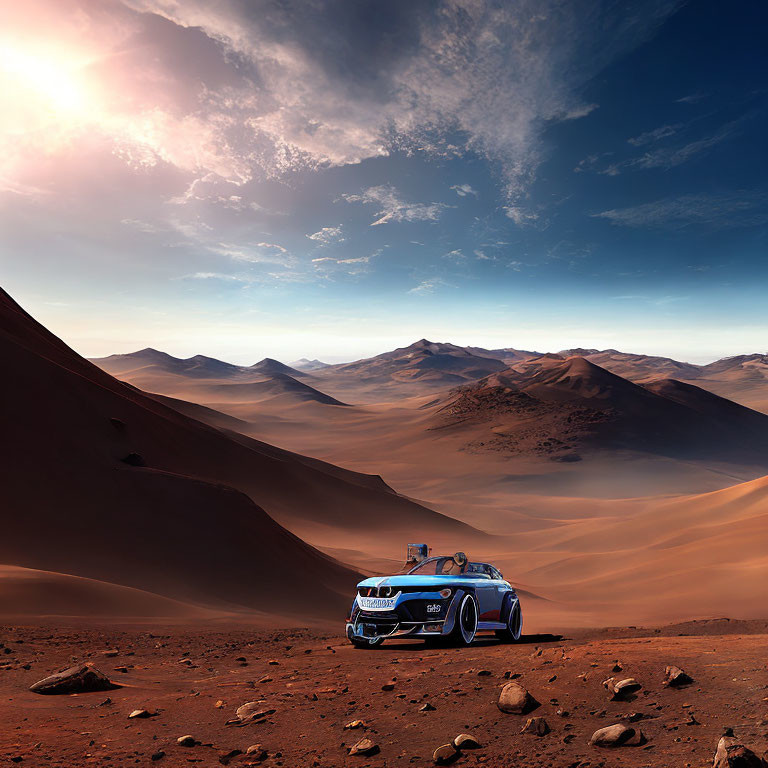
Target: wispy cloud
<point>393,208</point>
<point>429,286</point>
<point>692,98</point>
<point>650,137</point>
<point>141,226</point>
<point>217,276</point>
<point>328,235</point>
<point>521,216</point>
<point>719,212</point>
<point>462,190</point>
<point>255,253</point>
<point>669,157</point>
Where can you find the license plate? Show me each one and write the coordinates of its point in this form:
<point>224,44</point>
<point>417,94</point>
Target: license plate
<point>376,603</point>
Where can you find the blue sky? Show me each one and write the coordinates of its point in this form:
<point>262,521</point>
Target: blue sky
<point>338,178</point>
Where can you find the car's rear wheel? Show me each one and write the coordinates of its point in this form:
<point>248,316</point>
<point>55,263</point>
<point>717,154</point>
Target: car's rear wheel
<point>514,629</point>
<point>465,626</point>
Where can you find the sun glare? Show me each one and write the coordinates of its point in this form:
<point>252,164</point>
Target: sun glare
<point>42,89</point>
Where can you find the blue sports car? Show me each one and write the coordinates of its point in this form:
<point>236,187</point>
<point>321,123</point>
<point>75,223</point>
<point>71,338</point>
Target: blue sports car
<point>448,598</point>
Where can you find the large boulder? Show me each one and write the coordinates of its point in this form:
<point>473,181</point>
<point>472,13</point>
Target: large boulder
<point>514,699</point>
<point>731,753</point>
<point>80,679</point>
<point>618,735</point>
<point>674,677</point>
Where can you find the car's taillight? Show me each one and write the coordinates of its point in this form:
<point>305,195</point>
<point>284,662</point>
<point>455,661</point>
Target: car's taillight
<point>445,592</point>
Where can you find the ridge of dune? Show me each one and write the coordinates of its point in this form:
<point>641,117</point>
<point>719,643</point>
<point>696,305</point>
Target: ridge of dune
<point>107,483</point>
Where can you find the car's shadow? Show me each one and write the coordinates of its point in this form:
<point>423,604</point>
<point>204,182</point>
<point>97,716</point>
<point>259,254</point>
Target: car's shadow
<point>418,644</point>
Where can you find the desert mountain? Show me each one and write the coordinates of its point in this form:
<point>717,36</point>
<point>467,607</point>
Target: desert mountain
<point>152,361</point>
<point>205,379</point>
<point>420,368</point>
<point>271,367</point>
<point>303,364</point>
<point>566,408</point>
<point>105,482</point>
<point>743,378</point>
<point>639,368</point>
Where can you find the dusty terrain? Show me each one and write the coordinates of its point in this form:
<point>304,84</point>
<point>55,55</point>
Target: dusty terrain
<point>312,684</point>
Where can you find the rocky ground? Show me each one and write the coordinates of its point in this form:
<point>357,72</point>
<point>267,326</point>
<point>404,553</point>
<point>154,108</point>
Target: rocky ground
<point>409,700</point>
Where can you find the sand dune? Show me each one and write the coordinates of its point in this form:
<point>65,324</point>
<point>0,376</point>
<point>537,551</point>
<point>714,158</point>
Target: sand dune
<point>107,483</point>
<point>25,592</point>
<point>278,385</point>
<point>694,556</point>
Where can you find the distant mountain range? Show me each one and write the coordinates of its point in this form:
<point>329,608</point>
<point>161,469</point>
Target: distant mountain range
<point>425,366</point>
<point>550,406</point>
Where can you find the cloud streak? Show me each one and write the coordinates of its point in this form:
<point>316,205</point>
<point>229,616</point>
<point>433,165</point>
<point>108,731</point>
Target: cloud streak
<point>678,213</point>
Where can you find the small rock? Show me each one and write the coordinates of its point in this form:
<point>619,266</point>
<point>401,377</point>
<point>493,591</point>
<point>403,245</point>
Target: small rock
<point>159,755</point>
<point>219,704</point>
<point>354,725</point>
<point>484,673</point>
<point>675,677</point>
<point>445,754</point>
<point>621,690</point>
<point>388,686</point>
<point>110,653</point>
<point>250,712</point>
<point>537,726</point>
<point>273,662</point>
<point>186,741</point>
<point>134,460</point>
<point>80,679</point>
<point>364,747</point>
<point>256,752</point>
<point>466,741</point>
<point>427,708</point>
<point>617,667</point>
<point>514,699</point>
<point>618,735</point>
<point>141,713</point>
